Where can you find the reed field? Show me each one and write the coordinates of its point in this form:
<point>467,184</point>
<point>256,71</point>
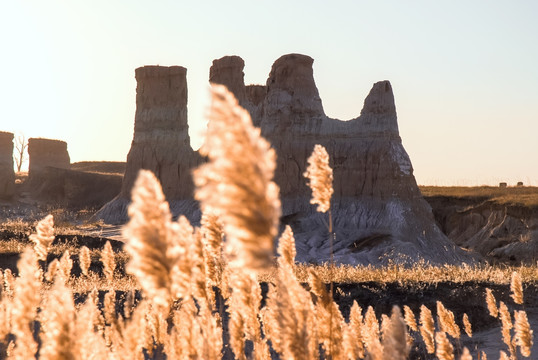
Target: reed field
<point>217,291</point>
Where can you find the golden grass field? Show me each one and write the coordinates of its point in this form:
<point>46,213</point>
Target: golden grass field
<point>174,291</point>
<point>524,195</point>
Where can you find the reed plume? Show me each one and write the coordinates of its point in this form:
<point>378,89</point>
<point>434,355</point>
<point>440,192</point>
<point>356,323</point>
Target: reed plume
<point>467,326</point>
<point>89,341</point>
<point>353,343</point>
<point>289,307</point>
<point>245,303</point>
<point>154,242</point>
<point>9,282</point>
<point>84,260</point>
<point>427,328</point>
<point>52,269</point>
<point>58,314</point>
<point>503,355</point>
<point>129,303</point>
<point>5,318</point>
<point>109,306</point>
<point>395,339</point>
<point>328,316</point>
<point>491,303</point>
<point>26,300</point>
<point>445,350</point>
<point>236,184</point>
<point>506,321</point>
<point>65,266</point>
<point>109,261</point>
<point>320,176</point>
<point>371,335</point>
<point>211,231</point>
<point>410,319</point>
<point>43,237</point>
<point>286,250</point>
<point>516,288</point>
<point>466,355</point>
<point>447,322</point>
<point>385,322</point>
<point>523,333</point>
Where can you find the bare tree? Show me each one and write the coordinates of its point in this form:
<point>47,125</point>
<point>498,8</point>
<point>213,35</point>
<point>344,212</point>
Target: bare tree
<point>20,154</point>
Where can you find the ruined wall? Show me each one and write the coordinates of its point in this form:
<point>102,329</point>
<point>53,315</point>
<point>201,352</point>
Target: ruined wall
<point>46,152</point>
<point>7,174</point>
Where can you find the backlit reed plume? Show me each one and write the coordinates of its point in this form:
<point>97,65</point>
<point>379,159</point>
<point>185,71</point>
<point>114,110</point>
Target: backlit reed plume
<point>109,306</point>
<point>447,322</point>
<point>491,303</point>
<point>58,316</point>
<point>286,250</point>
<point>467,326</point>
<point>329,318</point>
<point>244,322</point>
<point>410,319</point>
<point>320,176</point>
<point>371,334</point>
<point>237,183</point>
<point>466,355</point>
<point>44,237</point>
<point>84,260</point>
<point>444,349</point>
<point>212,250</point>
<point>503,355</point>
<point>89,341</point>
<point>25,303</point>
<point>109,261</point>
<point>395,338</point>
<point>506,321</point>
<point>134,335</point>
<point>516,288</point>
<point>65,266</point>
<point>289,308</point>
<point>427,328</point>
<point>52,269</point>
<point>129,303</point>
<point>385,322</point>
<point>523,333</point>
<point>153,241</point>
<point>9,282</point>
<point>353,339</point>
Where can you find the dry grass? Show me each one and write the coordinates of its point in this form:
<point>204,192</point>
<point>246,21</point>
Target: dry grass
<point>525,195</point>
<point>183,278</point>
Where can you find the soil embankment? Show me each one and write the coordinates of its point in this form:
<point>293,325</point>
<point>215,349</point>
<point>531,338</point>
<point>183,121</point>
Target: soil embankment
<point>499,223</point>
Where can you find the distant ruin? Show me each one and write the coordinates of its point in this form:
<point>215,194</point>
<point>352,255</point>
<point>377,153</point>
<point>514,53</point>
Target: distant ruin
<point>7,174</point>
<point>380,214</point>
<point>43,153</point>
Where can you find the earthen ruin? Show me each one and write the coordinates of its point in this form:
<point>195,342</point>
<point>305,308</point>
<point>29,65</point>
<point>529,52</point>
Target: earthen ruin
<point>379,213</point>
<point>7,173</point>
<point>45,153</point>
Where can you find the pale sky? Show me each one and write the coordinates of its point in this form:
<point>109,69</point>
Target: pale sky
<point>464,72</point>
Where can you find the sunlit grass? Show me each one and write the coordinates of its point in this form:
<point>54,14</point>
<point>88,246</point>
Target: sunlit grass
<point>524,195</point>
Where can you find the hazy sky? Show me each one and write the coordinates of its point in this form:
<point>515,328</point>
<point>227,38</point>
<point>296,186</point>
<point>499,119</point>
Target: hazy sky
<point>464,73</point>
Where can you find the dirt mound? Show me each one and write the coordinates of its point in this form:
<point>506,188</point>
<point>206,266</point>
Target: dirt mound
<point>500,231</point>
<point>74,189</point>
